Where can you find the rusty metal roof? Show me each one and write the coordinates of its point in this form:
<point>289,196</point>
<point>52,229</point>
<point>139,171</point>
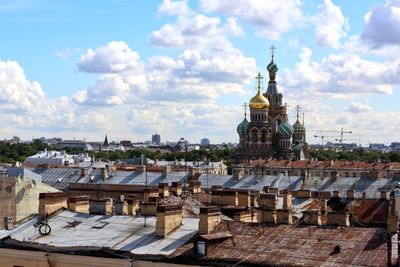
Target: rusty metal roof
<point>288,245</point>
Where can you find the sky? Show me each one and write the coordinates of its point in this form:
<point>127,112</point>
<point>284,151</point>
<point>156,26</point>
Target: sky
<point>128,69</point>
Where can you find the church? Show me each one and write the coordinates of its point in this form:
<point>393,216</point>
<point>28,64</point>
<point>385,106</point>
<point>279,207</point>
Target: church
<point>269,134</point>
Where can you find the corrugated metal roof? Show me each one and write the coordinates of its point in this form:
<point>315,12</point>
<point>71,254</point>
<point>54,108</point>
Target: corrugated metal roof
<point>125,233</point>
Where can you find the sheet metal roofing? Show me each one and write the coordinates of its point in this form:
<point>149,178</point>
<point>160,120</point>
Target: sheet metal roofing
<point>123,233</point>
<point>288,245</point>
<point>371,187</point>
<point>59,177</point>
<point>139,178</point>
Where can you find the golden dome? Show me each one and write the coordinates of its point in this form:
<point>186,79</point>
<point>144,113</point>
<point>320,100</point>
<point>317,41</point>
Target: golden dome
<point>259,101</point>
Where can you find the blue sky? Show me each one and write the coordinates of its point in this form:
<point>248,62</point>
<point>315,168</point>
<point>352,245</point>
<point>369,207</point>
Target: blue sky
<point>80,69</point>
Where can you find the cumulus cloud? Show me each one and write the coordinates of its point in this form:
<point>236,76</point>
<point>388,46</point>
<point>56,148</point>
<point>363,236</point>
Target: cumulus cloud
<point>382,24</point>
<point>357,107</point>
<point>16,92</point>
<point>115,57</point>
<point>330,25</point>
<point>171,8</point>
<point>341,75</point>
<point>272,18</point>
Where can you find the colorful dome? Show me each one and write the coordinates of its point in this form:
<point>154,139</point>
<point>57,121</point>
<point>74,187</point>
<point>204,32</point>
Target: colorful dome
<point>259,101</point>
<point>242,127</point>
<point>272,67</point>
<point>298,129</point>
<point>285,129</point>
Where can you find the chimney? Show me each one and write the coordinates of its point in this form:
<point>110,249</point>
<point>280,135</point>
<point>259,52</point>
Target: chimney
<point>176,188</point>
<point>141,168</point>
<point>104,174</point>
<point>312,217</point>
<point>166,170</point>
<point>163,190</point>
<point>195,186</point>
<point>383,195</point>
<point>101,206</point>
<point>51,202</point>
<point>209,218</point>
<point>350,194</point>
<point>84,172</point>
<point>287,200</point>
<point>266,189</point>
<point>324,205</point>
<point>268,201</point>
<point>169,217</point>
<point>244,198</point>
<point>8,223</point>
<point>121,206</point>
<point>79,204</point>
<point>133,204</point>
<point>393,216</point>
<point>335,194</point>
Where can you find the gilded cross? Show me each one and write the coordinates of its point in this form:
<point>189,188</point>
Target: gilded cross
<point>245,109</point>
<point>297,108</point>
<point>272,51</point>
<point>259,78</point>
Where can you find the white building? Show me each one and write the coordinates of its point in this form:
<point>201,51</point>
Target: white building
<point>56,158</point>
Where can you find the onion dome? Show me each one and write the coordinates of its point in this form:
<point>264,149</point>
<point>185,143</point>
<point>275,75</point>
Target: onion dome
<point>272,67</point>
<point>285,129</point>
<point>298,129</point>
<point>259,101</point>
<point>242,127</point>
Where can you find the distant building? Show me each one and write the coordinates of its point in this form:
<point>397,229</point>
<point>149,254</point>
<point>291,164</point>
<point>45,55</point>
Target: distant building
<point>395,146</point>
<point>126,143</point>
<point>182,144</point>
<point>74,144</point>
<point>205,142</point>
<point>55,158</point>
<point>105,143</point>
<point>156,139</point>
<point>377,147</point>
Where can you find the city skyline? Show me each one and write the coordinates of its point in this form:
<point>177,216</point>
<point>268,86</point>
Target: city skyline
<point>185,68</point>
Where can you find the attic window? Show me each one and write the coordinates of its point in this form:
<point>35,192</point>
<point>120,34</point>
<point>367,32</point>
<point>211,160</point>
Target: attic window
<point>72,224</point>
<point>100,225</point>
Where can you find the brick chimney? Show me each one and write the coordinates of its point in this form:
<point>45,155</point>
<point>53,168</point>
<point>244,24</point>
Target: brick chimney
<point>121,206</point>
<point>104,174</point>
<point>335,194</point>
<point>383,195</point>
<point>163,189</point>
<point>79,204</point>
<point>141,168</point>
<point>267,204</point>
<point>287,200</point>
<point>166,170</point>
<point>133,204</point>
<point>195,186</point>
<point>169,217</point>
<point>84,172</point>
<point>176,188</point>
<point>51,202</point>
<point>209,218</point>
<point>101,206</point>
<point>350,194</point>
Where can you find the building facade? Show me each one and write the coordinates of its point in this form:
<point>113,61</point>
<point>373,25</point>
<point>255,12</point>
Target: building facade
<point>269,134</point>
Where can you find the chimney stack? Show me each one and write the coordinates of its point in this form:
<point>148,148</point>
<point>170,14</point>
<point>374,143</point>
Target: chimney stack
<point>209,218</point>
<point>169,217</point>
<point>79,204</point>
<point>51,202</point>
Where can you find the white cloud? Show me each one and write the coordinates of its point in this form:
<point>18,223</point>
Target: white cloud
<point>170,8</point>
<point>16,92</point>
<point>115,57</point>
<point>341,75</point>
<point>356,107</point>
<point>382,24</point>
<point>272,18</point>
<point>330,24</point>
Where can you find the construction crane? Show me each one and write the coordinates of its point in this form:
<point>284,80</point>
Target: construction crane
<point>341,132</point>
<point>322,138</point>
